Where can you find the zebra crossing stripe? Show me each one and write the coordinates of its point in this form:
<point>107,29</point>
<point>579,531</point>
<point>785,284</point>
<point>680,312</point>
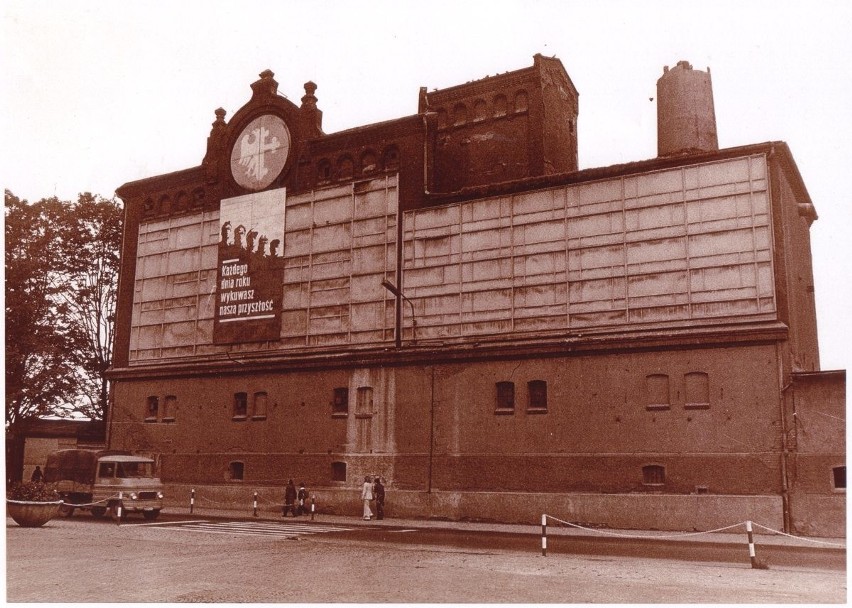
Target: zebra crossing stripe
<point>271,529</point>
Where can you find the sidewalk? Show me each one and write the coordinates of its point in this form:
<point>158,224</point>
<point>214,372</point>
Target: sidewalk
<point>734,536</point>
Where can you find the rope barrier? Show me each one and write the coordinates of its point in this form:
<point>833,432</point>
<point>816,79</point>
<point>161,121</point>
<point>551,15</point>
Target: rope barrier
<point>90,504</point>
<point>651,536</point>
<point>804,538</point>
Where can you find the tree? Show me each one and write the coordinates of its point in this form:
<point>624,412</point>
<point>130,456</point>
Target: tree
<point>61,280</point>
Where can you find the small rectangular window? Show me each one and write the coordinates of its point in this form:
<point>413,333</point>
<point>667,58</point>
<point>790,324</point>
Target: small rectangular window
<point>657,392</point>
<point>697,385</point>
<point>653,475</point>
<point>537,396</point>
<point>169,408</point>
<point>259,407</point>
<point>505,398</point>
<point>340,402</point>
<point>240,406</point>
<point>152,407</point>
<point>839,477</point>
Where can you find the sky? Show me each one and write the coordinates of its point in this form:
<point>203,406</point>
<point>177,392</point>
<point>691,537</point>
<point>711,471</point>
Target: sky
<point>95,94</point>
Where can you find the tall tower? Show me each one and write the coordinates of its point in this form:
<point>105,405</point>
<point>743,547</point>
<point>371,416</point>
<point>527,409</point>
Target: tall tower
<point>686,119</point>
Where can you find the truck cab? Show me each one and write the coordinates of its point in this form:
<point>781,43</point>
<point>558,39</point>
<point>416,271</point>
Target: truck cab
<point>118,482</point>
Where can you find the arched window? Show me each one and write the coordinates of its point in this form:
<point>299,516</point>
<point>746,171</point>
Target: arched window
<point>369,164</point>
<point>480,110</point>
<point>390,158</point>
<point>500,105</point>
<point>459,114</point>
<point>338,471</point>
<point>324,170</point>
<point>152,408</point>
<point>345,167</point>
<point>521,102</point>
<point>236,471</point>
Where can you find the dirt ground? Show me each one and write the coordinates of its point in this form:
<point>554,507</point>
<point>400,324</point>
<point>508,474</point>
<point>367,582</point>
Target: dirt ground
<point>87,561</point>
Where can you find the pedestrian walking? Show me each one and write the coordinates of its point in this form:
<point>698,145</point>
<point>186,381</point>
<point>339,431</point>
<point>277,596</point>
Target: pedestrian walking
<point>289,499</point>
<point>379,495</point>
<point>367,496</point>
<point>37,475</point>
<point>302,498</point>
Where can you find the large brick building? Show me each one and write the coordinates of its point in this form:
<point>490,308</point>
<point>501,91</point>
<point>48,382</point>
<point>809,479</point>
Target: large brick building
<point>445,300</point>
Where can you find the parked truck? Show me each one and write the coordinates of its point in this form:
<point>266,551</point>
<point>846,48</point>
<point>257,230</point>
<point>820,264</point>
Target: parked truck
<point>104,481</point>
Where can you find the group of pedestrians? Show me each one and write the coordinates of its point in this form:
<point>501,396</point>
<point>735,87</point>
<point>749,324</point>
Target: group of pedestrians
<point>373,490</point>
<point>295,501</point>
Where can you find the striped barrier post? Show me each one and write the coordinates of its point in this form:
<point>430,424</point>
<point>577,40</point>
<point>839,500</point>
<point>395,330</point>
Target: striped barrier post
<point>120,505</point>
<point>751,552</point>
<point>313,506</point>
<point>543,535</point>
<point>254,504</point>
<point>191,500</point>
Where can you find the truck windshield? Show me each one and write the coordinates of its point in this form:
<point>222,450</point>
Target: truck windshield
<point>135,469</point>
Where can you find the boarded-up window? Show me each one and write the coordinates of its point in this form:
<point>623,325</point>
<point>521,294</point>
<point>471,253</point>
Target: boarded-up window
<point>364,402</point>
<point>260,403</point>
<point>657,392</point>
<point>697,387</point>
<point>169,408</point>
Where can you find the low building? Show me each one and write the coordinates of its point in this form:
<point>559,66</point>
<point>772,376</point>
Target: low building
<point>445,300</point>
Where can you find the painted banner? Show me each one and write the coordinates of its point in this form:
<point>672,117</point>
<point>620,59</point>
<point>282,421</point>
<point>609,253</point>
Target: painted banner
<point>248,287</point>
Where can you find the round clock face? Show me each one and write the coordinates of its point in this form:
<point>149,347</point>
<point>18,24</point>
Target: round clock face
<point>260,152</point>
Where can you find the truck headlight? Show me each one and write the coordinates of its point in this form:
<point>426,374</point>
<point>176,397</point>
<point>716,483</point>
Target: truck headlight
<point>133,496</point>
<point>160,495</point>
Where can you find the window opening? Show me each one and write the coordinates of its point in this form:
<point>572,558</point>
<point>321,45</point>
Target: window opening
<point>340,402</point>
<point>506,397</point>
<point>338,471</point>
<point>537,395</point>
<point>236,471</point>
<point>260,402</point>
<point>169,407</point>
<point>697,387</point>
<point>657,392</point>
<point>152,406</point>
<point>240,406</point>
<point>106,470</point>
<point>653,475</point>
<point>839,477</point>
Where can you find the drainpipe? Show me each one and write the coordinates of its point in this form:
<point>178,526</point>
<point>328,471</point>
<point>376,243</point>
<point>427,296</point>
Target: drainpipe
<point>431,431</point>
<point>785,489</point>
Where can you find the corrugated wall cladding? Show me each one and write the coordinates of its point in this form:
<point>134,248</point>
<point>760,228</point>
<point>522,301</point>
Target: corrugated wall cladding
<point>678,246</point>
<point>340,244</point>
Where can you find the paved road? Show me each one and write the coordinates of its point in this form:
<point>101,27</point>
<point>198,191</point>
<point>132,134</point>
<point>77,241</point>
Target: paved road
<point>347,560</point>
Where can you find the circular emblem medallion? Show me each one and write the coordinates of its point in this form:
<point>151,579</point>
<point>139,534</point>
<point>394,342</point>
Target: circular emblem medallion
<point>260,152</point>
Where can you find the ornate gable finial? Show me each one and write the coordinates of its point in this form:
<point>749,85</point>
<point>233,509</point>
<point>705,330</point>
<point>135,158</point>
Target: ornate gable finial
<point>267,86</point>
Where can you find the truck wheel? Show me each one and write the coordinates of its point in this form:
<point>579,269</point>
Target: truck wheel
<point>99,511</point>
<point>66,510</point>
<point>151,515</point>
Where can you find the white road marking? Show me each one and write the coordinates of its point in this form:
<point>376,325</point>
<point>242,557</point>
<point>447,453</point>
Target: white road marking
<point>250,528</point>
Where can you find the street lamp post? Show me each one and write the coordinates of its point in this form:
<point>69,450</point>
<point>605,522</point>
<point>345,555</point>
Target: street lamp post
<point>398,293</point>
